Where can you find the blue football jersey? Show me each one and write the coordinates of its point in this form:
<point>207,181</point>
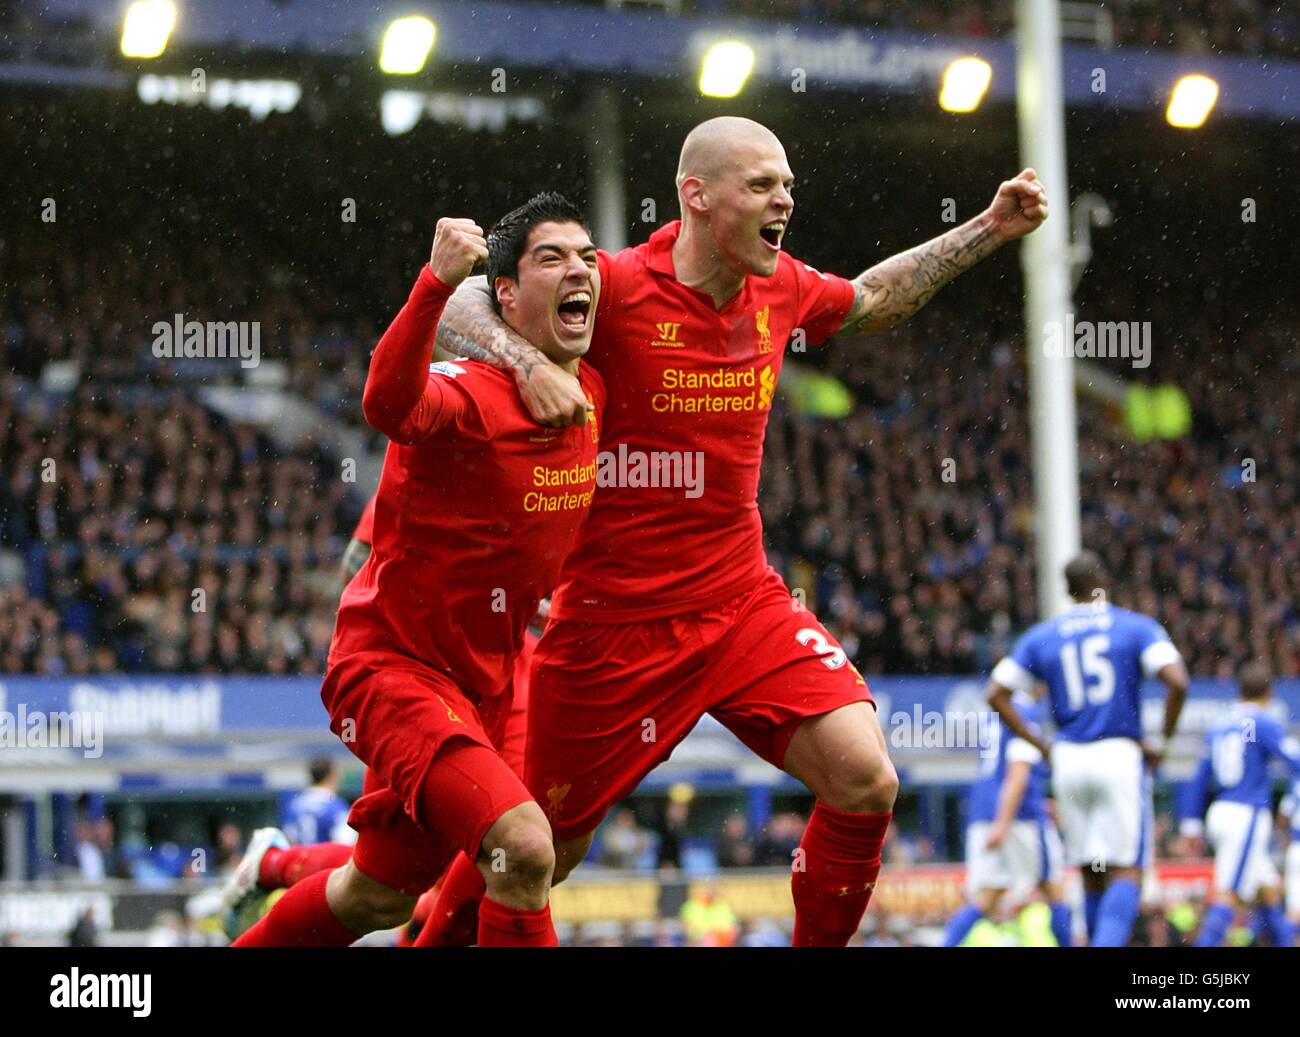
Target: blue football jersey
<point>1239,750</point>
<point>1093,659</point>
<point>999,747</point>
<point>316,815</point>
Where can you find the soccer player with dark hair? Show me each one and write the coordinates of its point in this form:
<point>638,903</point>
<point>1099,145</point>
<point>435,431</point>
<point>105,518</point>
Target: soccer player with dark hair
<point>271,863</point>
<point>668,609</point>
<point>1233,778</point>
<point>475,512</point>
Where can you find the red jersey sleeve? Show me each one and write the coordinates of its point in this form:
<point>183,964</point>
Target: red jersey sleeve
<point>401,400</point>
<point>824,302</point>
<point>604,306</point>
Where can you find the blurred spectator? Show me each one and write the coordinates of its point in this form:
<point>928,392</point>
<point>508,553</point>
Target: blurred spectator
<point>623,844</point>
<point>672,828</point>
<point>708,919</point>
<point>735,850</point>
<point>779,840</point>
<point>230,846</point>
<point>90,857</point>
<point>85,933</point>
<point>168,931</point>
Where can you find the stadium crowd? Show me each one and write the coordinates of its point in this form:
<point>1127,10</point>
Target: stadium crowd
<point>908,523</point>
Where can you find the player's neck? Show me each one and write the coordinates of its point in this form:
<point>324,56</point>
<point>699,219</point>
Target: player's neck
<point>568,364</point>
<point>698,263</point>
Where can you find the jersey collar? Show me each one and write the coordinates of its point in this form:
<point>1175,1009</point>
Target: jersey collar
<point>661,244</point>
<point>659,258</point>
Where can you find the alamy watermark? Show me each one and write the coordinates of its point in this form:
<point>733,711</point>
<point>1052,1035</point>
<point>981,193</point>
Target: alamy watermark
<point>36,729</point>
<point>675,469</point>
<point>1111,340</point>
<point>949,729</point>
<point>209,339</point>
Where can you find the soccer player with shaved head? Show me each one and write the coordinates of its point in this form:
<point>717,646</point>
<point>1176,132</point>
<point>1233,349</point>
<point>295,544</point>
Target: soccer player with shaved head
<point>668,609</point>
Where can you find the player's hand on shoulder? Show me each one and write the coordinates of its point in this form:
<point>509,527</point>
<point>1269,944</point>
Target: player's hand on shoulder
<point>458,245</point>
<point>553,396</point>
<point>1019,207</point>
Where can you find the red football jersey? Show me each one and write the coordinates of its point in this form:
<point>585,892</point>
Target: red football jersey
<point>477,507</point>
<point>675,523</point>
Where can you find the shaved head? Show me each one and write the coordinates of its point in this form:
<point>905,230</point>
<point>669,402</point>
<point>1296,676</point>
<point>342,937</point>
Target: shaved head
<point>735,188</point>
<point>718,145</point>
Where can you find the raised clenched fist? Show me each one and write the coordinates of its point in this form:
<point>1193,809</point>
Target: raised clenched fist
<point>457,246</point>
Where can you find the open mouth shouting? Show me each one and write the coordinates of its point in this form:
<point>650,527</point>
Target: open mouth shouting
<point>574,311</point>
<point>772,233</point>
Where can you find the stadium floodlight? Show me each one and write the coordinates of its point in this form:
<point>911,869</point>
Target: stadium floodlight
<point>1191,102</point>
<point>965,82</point>
<point>147,27</point>
<point>726,67</point>
<point>406,47</point>
<point>400,110</point>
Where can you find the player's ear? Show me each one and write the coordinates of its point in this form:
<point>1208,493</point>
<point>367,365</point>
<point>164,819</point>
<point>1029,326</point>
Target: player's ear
<point>506,288</point>
<point>692,195</point>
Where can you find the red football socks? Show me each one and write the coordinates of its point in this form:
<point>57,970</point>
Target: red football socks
<point>283,868</point>
<point>501,926</point>
<point>301,918</point>
<point>834,875</point>
<point>420,916</point>
<point>453,921</point>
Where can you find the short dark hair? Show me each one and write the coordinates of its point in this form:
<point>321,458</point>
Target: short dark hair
<point>508,237</point>
<point>1084,574</point>
<point>320,768</point>
<point>1255,679</point>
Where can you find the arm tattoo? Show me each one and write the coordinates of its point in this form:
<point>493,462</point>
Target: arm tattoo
<point>354,558</point>
<point>892,291</point>
<point>469,327</point>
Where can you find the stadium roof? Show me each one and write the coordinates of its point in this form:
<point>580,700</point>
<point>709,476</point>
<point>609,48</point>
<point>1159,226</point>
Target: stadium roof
<point>592,40</point>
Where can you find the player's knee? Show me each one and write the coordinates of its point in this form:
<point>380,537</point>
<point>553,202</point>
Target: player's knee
<point>882,790</point>
<point>869,787</point>
<point>389,909</point>
<point>520,850</point>
<point>569,854</point>
<point>364,905</point>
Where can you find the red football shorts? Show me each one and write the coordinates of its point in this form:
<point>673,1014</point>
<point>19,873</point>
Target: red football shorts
<point>610,702</point>
<point>515,737</point>
<point>435,781</point>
